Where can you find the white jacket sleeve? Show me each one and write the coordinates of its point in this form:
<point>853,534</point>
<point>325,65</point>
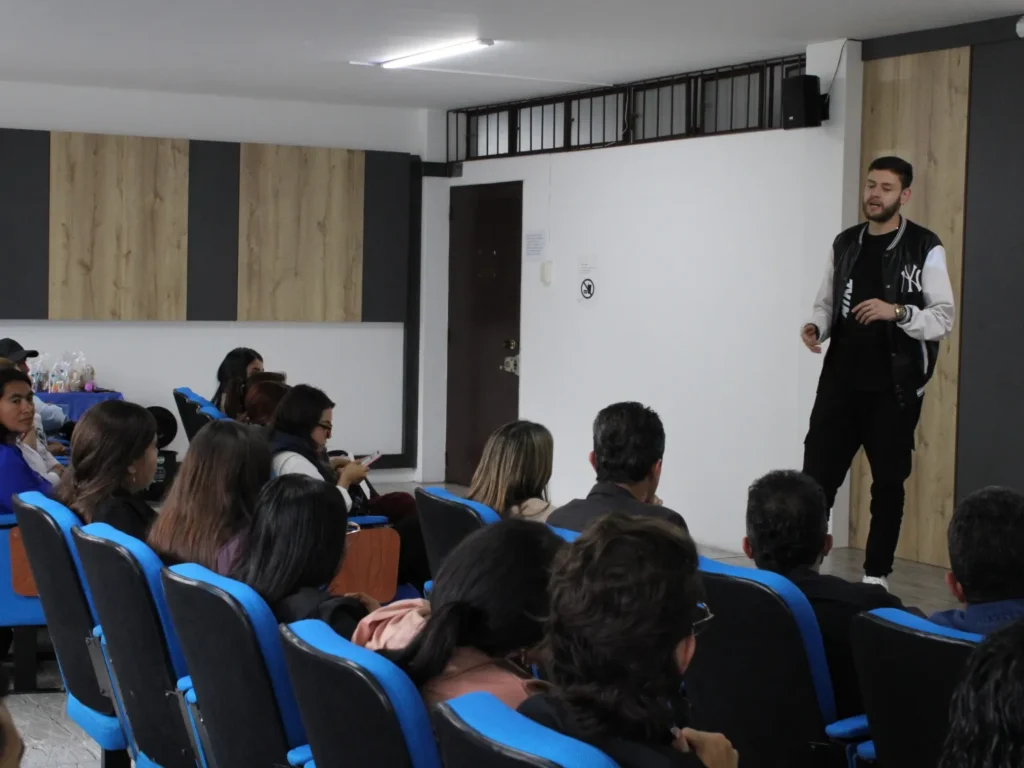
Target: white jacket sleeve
<point>291,463</point>
<point>935,321</point>
<point>821,314</point>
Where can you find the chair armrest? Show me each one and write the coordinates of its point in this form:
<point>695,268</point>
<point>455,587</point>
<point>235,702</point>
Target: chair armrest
<point>300,755</point>
<point>185,684</point>
<point>866,751</point>
<point>428,587</point>
<point>850,729</point>
<point>369,521</point>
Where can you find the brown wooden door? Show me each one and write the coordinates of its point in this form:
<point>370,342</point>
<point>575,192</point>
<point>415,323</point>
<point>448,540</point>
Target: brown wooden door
<point>485,255</point>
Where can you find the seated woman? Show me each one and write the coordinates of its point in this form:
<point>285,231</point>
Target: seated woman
<point>626,603</point>
<point>236,391</point>
<point>292,550</point>
<point>238,365</point>
<point>514,470</point>
<point>113,457</point>
<point>33,444</point>
<point>213,497</point>
<point>17,418</point>
<point>261,400</point>
<point>483,621</point>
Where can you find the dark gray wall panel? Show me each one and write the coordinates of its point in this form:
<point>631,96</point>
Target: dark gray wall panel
<point>386,237</point>
<point>990,445</point>
<point>25,224</point>
<point>213,168</point>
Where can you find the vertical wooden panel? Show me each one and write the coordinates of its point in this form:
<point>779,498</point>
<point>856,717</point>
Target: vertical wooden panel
<point>118,227</point>
<point>300,234</point>
<point>916,107</point>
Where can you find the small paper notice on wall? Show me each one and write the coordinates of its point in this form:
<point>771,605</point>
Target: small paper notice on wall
<point>586,283</point>
<point>535,245</point>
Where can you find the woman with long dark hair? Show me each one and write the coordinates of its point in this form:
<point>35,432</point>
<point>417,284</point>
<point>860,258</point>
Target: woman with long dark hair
<point>514,470</point>
<point>626,603</point>
<point>292,550</point>
<point>213,496</point>
<point>237,366</point>
<point>261,401</point>
<point>113,458</point>
<point>485,617</point>
<point>236,392</point>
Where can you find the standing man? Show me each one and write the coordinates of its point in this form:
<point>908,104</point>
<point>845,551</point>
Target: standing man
<point>885,302</point>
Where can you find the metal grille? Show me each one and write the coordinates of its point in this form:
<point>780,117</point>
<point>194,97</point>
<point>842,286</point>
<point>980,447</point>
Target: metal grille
<point>747,97</point>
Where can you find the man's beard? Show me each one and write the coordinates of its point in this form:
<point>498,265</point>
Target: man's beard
<point>883,215</point>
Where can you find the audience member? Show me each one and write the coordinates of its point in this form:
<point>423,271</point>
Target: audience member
<point>236,392</point>
<point>787,533</point>
<point>292,550</point>
<point>113,458</point>
<point>629,443</point>
<point>626,604</point>
<point>17,418</point>
<point>212,499</point>
<point>11,746</point>
<point>261,401</point>
<point>33,445</point>
<point>986,553</point>
<point>987,712</point>
<point>484,619</point>
<point>52,415</point>
<point>237,366</point>
<point>514,470</point>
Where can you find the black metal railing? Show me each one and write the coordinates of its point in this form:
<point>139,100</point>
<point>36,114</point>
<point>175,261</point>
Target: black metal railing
<point>746,97</point>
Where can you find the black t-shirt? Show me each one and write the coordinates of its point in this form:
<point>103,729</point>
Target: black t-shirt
<point>862,353</point>
<point>343,614</point>
<point>551,713</point>
<point>126,512</point>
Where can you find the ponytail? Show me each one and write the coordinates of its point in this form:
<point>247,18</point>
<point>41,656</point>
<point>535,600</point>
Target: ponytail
<point>427,656</point>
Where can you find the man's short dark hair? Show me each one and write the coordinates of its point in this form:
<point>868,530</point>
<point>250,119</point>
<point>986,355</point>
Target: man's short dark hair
<point>629,439</point>
<point>896,165</point>
<point>787,521</point>
<point>986,545</point>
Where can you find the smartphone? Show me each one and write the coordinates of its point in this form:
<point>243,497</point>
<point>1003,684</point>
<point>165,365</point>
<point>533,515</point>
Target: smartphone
<point>368,460</point>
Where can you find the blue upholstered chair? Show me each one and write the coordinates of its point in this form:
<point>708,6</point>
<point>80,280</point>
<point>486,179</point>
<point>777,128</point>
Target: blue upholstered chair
<point>358,708</point>
<point>760,675</point>
<point>908,669</point>
<point>46,528</point>
<point>21,614</point>
<point>446,520</point>
<point>230,642</point>
<point>478,729</point>
<point>565,533</point>
<point>123,574</point>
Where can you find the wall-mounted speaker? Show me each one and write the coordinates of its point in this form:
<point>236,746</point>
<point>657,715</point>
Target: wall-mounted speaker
<point>802,103</point>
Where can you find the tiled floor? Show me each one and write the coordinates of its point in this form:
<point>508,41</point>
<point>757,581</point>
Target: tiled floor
<point>51,739</point>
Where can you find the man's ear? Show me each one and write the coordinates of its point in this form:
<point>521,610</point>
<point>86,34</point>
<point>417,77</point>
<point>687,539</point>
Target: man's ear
<point>956,588</point>
<point>905,196</point>
<point>593,460</point>
<point>685,651</point>
<point>829,541</point>
<point>656,471</point>
<point>747,549</point>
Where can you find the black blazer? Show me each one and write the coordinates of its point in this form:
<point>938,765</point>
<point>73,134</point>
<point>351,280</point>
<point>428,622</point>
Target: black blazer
<point>342,613</point>
<point>604,498</point>
<point>126,512</point>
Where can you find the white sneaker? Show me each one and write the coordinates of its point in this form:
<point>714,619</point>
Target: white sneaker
<point>879,580</point>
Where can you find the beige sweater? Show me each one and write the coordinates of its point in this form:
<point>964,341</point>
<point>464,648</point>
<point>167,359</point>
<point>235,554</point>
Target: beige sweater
<point>533,509</point>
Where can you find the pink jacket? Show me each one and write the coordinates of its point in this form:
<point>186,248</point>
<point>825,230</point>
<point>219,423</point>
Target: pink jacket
<point>394,626</point>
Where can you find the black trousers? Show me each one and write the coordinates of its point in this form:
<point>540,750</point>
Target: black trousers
<point>843,420</point>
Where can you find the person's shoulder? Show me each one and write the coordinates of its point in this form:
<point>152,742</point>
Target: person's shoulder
<point>865,597</point>
<point>543,708</point>
<point>915,233</point>
<point>572,516</point>
<point>664,513</point>
<point>848,235</point>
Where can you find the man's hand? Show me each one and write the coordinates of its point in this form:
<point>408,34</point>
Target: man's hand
<point>713,749</point>
<point>809,336</point>
<point>874,309</point>
<point>56,449</point>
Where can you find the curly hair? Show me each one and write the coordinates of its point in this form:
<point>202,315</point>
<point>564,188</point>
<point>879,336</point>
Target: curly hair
<point>623,597</point>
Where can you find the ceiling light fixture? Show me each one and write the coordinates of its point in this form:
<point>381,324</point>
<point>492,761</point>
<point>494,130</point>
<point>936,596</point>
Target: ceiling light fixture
<point>444,52</point>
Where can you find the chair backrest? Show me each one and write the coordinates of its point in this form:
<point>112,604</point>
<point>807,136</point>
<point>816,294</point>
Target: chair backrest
<point>188,410</point>
<point>46,527</point>
<point>124,578</point>
<point>565,534</point>
<point>446,519</point>
<point>229,638</point>
<point>760,675</point>
<point>358,707</point>
<point>908,668</point>
<point>478,729</point>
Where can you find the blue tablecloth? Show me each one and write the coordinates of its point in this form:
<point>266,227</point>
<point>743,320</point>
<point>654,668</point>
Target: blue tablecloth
<point>74,404</point>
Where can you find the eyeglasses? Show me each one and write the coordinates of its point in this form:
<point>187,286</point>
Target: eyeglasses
<point>705,618</point>
<point>326,426</point>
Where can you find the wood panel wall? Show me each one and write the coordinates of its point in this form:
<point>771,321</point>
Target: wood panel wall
<point>916,107</point>
<point>300,234</point>
<point>118,227</point>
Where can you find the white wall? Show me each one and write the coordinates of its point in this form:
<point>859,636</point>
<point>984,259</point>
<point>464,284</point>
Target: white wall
<point>359,366</point>
<point>708,254</point>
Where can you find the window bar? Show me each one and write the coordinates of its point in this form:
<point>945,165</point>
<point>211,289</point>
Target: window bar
<point>469,149</point>
<point>657,113</point>
<point>541,128</point>
<point>732,102</point>
<point>771,97</point>
<point>718,97</point>
<point>566,124</point>
<point>672,111</point>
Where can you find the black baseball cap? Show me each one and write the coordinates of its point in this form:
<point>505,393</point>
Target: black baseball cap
<point>13,351</point>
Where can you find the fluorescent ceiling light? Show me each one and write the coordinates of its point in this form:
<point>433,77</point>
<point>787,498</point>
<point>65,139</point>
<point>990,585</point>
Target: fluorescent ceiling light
<point>455,49</point>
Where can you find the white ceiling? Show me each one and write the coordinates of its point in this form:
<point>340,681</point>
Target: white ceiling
<point>300,49</point>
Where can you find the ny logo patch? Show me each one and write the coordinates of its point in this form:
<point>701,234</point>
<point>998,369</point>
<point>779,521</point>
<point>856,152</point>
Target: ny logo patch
<point>911,279</point>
